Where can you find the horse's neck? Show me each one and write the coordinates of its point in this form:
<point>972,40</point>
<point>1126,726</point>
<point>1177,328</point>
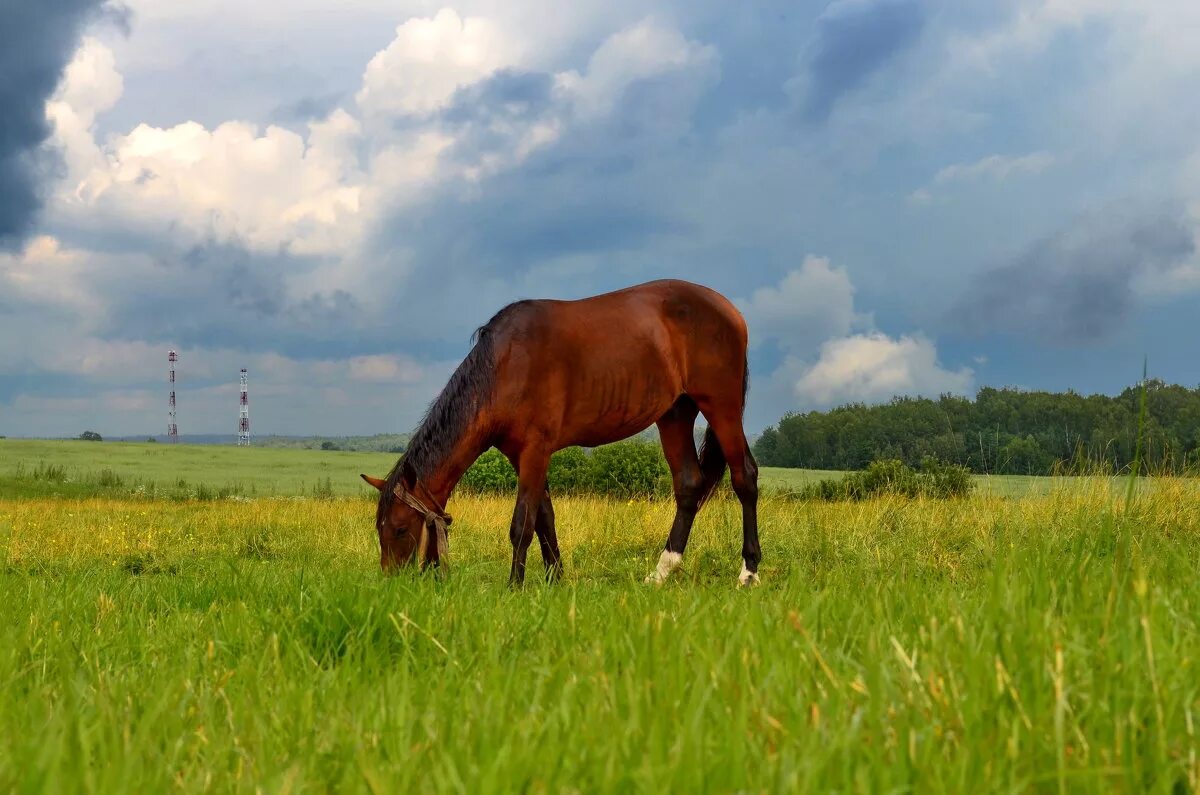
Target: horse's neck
<point>444,475</point>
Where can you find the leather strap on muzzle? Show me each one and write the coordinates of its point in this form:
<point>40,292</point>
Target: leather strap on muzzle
<point>434,525</point>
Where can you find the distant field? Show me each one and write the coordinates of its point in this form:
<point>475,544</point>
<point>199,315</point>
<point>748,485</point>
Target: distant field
<point>176,469</point>
<point>997,485</point>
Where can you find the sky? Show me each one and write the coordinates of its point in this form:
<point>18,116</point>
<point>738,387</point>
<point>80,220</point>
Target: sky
<point>904,197</point>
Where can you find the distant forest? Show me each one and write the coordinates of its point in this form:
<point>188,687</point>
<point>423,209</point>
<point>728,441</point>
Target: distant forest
<point>1001,431</point>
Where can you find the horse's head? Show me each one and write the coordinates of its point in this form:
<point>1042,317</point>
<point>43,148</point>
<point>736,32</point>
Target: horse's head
<point>410,528</point>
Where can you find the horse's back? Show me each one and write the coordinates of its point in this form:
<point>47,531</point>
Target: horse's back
<point>695,336</point>
<point>600,368</point>
<point>684,308</point>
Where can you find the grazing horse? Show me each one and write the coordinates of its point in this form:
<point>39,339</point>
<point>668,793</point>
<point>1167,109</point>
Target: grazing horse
<point>544,375</point>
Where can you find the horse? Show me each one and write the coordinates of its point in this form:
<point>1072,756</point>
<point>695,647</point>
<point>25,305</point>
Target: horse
<point>547,374</point>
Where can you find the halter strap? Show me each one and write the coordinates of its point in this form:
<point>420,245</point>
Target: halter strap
<point>435,519</point>
<point>412,501</point>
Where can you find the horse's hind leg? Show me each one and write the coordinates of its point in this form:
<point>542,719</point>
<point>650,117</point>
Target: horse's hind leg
<point>548,539</point>
<point>743,476</point>
<point>675,431</point>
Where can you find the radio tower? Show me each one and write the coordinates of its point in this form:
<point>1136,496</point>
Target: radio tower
<point>244,415</point>
<point>172,429</point>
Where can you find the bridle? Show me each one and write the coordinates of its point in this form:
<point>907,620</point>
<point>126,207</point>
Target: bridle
<point>435,522</point>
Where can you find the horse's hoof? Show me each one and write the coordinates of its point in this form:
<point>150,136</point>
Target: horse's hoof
<point>747,579</point>
<point>667,562</point>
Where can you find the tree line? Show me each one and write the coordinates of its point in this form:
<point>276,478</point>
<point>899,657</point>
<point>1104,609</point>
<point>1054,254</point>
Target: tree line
<point>1001,431</point>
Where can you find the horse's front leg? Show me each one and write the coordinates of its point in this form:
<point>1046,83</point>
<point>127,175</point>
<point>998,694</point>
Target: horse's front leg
<point>531,489</point>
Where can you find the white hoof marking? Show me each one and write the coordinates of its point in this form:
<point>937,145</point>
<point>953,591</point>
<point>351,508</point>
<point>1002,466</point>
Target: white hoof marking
<point>667,563</point>
<point>747,577</point>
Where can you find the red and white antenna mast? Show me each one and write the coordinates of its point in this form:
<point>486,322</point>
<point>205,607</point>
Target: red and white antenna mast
<point>244,415</point>
<point>172,429</point>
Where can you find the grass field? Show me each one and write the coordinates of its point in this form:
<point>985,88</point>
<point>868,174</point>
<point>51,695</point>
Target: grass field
<point>1039,642</point>
<point>182,470</point>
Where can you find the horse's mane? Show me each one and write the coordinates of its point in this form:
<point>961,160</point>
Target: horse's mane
<point>451,412</point>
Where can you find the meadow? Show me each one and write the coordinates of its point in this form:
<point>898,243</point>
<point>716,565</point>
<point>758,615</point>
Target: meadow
<point>160,639</point>
<point>79,468</point>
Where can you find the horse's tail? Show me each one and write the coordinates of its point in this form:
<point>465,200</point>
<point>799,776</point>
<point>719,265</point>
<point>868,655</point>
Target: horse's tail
<point>712,464</point>
<point>712,457</point>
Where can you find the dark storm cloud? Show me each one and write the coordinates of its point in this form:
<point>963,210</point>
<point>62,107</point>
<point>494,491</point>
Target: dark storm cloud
<point>1077,285</point>
<point>308,108</point>
<point>221,294</point>
<point>483,116</point>
<point>37,40</point>
<point>507,93</point>
<point>853,39</point>
<point>562,222</point>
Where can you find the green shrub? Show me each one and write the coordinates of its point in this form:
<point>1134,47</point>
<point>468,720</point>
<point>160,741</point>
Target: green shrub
<point>491,472</point>
<point>629,469</point>
<point>570,471</point>
<point>882,477</point>
<point>945,480</point>
<point>625,469</point>
<point>935,479</point>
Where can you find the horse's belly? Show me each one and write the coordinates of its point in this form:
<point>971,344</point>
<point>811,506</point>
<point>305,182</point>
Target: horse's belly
<point>596,436</point>
<point>602,425</point>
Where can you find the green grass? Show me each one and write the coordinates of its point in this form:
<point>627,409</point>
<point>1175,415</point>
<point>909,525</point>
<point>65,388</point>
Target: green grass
<point>181,470</point>
<point>985,644</point>
<point>1047,640</point>
<point>1014,486</point>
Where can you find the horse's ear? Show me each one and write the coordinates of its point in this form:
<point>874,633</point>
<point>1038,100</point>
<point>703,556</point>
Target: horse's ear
<point>408,475</point>
<point>376,482</point>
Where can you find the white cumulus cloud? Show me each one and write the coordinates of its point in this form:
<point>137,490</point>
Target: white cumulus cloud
<point>832,353</point>
<point>874,367</point>
<point>811,304</point>
<point>430,59</point>
<point>642,51</point>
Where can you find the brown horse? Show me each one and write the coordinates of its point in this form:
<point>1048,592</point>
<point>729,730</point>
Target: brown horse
<point>544,375</point>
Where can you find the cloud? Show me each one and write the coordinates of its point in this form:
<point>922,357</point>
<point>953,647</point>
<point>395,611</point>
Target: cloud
<point>643,51</point>
<point>1033,24</point>
<point>291,396</point>
<point>44,274</point>
<point>1079,284</point>
<point>995,167</point>
<point>325,242</point>
<point>545,173</point>
<point>853,40</point>
<point>810,317</point>
<point>269,189</point>
<point>384,369</point>
<point>259,188</point>
<point>334,197</point>
<point>430,59</point>
<point>810,305</point>
<point>870,368</point>
<point>36,42</point>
